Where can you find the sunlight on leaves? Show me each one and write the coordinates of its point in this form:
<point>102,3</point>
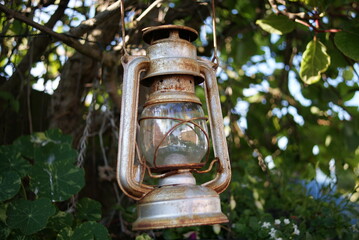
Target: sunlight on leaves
<point>315,61</point>
<point>277,24</point>
<point>57,179</point>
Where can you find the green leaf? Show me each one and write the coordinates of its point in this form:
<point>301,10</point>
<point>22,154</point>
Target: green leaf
<point>56,179</point>
<point>11,160</point>
<point>65,234</point>
<point>347,43</point>
<point>4,231</point>
<point>54,151</point>
<point>9,185</point>
<point>29,216</point>
<point>90,231</point>
<point>17,235</point>
<point>57,136</point>
<point>315,61</point>
<point>60,221</point>
<point>143,236</point>
<point>277,24</point>
<point>88,209</point>
<point>51,136</point>
<point>54,174</point>
<point>25,146</point>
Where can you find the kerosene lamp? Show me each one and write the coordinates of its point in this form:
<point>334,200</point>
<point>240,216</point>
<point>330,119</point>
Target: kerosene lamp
<point>170,139</point>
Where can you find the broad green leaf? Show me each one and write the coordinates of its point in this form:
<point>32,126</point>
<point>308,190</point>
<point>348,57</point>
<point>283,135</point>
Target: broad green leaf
<point>243,49</point>
<point>315,61</point>
<point>347,42</point>
<point>11,160</point>
<point>25,146</point>
<point>4,231</point>
<point>88,209</point>
<point>51,136</point>
<point>54,174</point>
<point>17,235</point>
<point>29,216</point>
<point>65,234</point>
<point>54,151</point>
<point>9,185</point>
<point>57,136</point>
<point>56,179</point>
<point>60,221</point>
<point>277,24</point>
<point>90,230</point>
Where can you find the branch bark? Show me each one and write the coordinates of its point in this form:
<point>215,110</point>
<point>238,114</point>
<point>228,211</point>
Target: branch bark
<point>39,45</point>
<point>82,70</point>
<point>92,52</point>
<point>37,48</point>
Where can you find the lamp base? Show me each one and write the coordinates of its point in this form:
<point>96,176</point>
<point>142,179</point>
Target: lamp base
<point>179,206</point>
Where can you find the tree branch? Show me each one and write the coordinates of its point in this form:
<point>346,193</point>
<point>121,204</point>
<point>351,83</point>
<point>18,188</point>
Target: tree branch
<point>37,47</point>
<point>92,23</point>
<point>106,58</point>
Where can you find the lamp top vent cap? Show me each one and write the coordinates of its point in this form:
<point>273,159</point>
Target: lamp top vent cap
<point>151,34</point>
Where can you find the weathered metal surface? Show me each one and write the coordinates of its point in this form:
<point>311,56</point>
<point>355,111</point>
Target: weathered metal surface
<point>179,206</point>
<point>172,67</point>
<point>172,88</point>
<point>151,34</point>
<point>170,54</point>
<point>182,177</point>
<point>223,177</point>
<point>133,66</point>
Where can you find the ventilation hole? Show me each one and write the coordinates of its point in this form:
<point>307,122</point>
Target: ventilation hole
<point>160,35</point>
<point>184,35</point>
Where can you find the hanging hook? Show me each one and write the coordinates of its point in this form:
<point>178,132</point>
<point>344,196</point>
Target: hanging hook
<point>123,28</point>
<point>215,58</point>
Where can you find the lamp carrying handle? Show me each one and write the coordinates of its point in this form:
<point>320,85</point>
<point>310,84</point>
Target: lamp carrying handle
<point>126,176</point>
<point>223,176</point>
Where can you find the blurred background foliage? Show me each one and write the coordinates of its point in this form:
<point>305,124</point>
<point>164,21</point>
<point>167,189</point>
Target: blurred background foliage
<point>288,81</point>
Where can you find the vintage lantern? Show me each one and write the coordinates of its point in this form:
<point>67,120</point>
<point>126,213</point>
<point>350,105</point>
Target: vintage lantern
<point>171,133</point>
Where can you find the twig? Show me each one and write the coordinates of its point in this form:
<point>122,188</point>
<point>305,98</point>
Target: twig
<point>28,93</point>
<point>153,5</point>
<point>300,17</point>
<point>39,46</point>
<point>290,15</point>
<point>105,57</point>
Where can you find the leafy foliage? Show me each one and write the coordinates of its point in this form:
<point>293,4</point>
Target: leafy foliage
<point>90,230</point>
<point>288,84</point>
<point>53,178</point>
<point>276,24</point>
<point>315,61</point>
<point>29,216</point>
<point>9,185</point>
<point>346,40</point>
<point>54,174</point>
<point>89,210</point>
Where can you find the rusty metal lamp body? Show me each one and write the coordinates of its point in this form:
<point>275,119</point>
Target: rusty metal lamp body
<point>173,135</point>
